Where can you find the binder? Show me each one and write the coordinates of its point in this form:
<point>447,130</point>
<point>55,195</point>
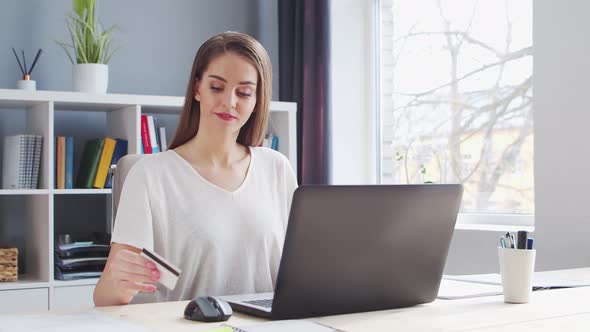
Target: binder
<point>153,138</point>
<point>69,162</point>
<point>163,141</point>
<point>30,157</point>
<point>89,163</point>
<point>14,162</point>
<point>61,163</point>
<point>120,151</point>
<point>145,136</point>
<point>37,160</point>
<point>105,162</point>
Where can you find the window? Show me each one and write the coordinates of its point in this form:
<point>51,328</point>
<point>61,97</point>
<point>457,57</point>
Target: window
<point>456,100</point>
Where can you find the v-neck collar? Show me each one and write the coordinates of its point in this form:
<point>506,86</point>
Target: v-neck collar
<point>213,185</point>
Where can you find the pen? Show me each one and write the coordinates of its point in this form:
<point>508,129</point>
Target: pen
<point>512,241</point>
<point>529,243</point>
<point>522,240</point>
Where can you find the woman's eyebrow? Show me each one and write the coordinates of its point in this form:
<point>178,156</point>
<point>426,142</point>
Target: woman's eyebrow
<point>217,77</point>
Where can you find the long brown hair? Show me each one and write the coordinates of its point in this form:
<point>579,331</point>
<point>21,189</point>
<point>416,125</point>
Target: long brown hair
<point>252,133</point>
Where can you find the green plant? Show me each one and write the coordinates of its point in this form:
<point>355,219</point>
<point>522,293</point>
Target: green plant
<point>90,43</point>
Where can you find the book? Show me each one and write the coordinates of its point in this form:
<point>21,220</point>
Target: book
<point>14,162</point>
<point>69,169</point>
<point>163,141</point>
<point>120,151</point>
<point>104,163</point>
<point>37,160</point>
<point>60,169</point>
<point>153,138</point>
<point>274,143</point>
<point>145,135</point>
<point>89,163</point>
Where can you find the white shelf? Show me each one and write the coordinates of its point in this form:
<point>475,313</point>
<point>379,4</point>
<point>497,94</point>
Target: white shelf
<point>81,191</point>
<point>23,283</point>
<point>79,282</point>
<point>32,213</point>
<point>24,191</point>
<point>66,100</point>
<point>17,192</point>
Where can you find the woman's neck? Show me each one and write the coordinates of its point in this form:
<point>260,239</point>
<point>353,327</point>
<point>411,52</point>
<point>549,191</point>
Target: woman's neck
<point>214,150</point>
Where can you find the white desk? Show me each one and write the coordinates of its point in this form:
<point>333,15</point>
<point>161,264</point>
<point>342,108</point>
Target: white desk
<point>550,310</point>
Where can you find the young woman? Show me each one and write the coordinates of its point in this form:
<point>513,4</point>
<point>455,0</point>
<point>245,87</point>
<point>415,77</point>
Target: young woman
<point>214,204</point>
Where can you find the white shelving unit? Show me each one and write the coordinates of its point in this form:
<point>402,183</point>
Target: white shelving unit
<point>29,215</point>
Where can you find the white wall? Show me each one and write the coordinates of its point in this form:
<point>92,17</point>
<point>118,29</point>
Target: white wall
<point>562,114</point>
<point>353,133</point>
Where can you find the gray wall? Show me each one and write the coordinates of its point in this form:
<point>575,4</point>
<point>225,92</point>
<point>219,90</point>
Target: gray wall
<point>158,39</point>
<point>15,31</point>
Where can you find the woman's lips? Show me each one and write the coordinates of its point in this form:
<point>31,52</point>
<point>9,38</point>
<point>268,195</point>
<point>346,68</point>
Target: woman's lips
<point>225,116</point>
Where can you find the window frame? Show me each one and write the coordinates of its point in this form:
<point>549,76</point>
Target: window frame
<point>465,221</point>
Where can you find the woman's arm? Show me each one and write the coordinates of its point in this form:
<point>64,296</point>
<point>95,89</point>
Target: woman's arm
<point>126,273</point>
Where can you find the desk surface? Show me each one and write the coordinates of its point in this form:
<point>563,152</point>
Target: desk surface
<point>549,310</point>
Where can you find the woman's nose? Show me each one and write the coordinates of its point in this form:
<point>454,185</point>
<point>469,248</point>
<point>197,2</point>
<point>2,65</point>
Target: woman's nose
<point>230,100</point>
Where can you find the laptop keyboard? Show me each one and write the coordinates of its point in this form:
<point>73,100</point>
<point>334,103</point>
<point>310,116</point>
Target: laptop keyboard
<point>265,303</point>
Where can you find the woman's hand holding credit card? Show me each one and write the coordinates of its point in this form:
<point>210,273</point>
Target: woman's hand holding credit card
<point>132,273</point>
<point>169,273</point>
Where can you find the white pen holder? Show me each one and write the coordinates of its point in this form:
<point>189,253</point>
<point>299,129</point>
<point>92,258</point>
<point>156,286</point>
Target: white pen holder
<point>517,268</point>
<point>29,85</point>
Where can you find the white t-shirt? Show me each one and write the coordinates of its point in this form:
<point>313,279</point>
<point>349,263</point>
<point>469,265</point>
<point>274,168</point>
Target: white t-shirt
<point>224,242</point>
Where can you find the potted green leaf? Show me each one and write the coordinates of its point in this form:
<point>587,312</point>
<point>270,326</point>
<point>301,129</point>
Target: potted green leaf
<point>90,48</point>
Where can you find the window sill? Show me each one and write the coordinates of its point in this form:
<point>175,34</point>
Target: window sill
<point>496,222</point>
<point>494,228</point>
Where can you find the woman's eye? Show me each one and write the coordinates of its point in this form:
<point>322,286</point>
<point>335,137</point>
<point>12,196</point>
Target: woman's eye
<point>244,94</point>
<point>216,88</point>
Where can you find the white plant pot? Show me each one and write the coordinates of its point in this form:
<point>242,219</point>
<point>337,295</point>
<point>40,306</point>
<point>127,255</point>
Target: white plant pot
<point>90,77</point>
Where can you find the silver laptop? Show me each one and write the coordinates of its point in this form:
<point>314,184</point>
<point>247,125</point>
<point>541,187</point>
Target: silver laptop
<point>360,248</point>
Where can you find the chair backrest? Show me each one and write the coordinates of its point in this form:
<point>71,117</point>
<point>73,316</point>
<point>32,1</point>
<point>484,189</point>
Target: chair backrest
<point>119,174</point>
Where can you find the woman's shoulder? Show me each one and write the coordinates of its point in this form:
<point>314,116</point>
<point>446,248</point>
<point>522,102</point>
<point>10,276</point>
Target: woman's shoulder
<point>152,163</point>
<point>267,155</point>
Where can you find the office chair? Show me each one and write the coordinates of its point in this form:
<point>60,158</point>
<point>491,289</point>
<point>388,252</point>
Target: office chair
<point>119,173</point>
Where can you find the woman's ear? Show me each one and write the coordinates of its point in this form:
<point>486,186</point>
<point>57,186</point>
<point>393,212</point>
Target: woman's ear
<point>197,95</point>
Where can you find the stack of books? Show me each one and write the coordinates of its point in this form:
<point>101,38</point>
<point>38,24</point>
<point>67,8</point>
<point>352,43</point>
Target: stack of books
<point>21,160</point>
<point>98,156</point>
<point>152,141</point>
<point>84,258</point>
